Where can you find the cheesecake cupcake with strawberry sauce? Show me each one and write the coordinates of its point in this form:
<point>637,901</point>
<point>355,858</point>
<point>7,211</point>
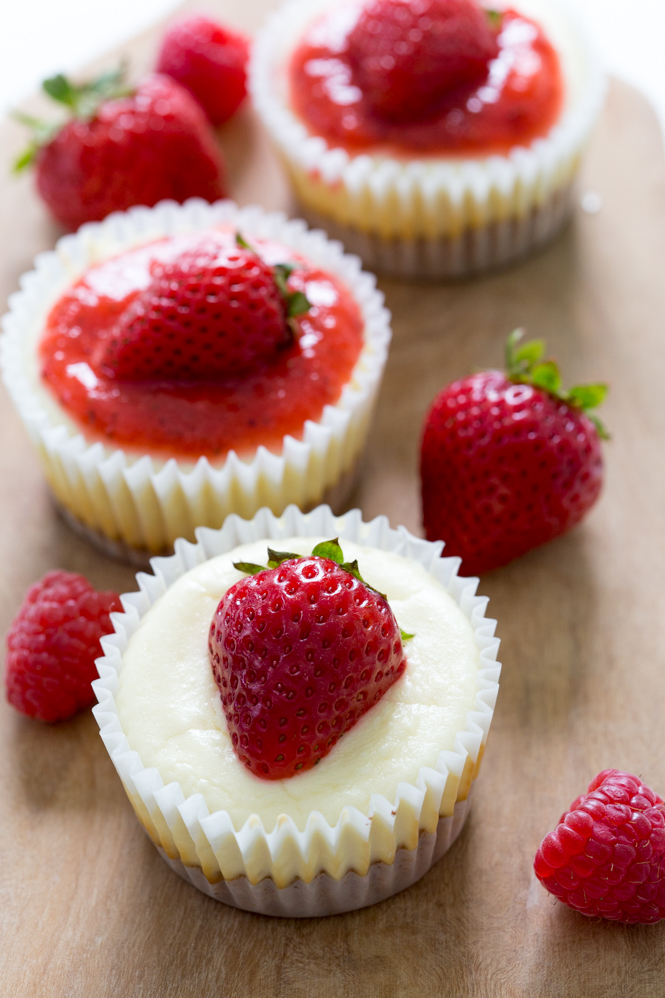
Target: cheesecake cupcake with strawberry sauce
<point>298,708</point>
<point>177,364</point>
<point>436,138</point>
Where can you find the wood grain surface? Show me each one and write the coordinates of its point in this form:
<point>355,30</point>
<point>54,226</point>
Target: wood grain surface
<point>87,906</point>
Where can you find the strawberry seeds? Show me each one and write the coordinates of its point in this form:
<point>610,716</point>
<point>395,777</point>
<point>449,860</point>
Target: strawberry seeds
<point>300,651</point>
<point>195,346</point>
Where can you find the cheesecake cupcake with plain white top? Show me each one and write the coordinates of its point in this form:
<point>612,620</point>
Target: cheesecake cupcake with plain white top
<point>435,137</point>
<point>298,709</point>
<point>176,364</point>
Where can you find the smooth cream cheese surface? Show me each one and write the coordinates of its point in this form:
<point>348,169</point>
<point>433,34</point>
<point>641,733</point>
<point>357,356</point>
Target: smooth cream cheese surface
<point>170,709</point>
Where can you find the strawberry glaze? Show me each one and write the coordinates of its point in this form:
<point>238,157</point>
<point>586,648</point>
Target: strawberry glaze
<point>185,419</point>
<point>519,102</point>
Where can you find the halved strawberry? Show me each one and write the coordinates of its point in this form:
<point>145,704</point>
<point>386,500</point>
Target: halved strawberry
<point>300,651</point>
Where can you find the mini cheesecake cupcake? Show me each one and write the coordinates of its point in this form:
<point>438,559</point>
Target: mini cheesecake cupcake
<point>177,364</point>
<point>298,708</point>
<point>436,138</point>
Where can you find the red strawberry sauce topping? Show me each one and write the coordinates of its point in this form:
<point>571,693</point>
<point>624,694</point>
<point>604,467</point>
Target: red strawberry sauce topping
<point>190,418</point>
<point>300,652</point>
<point>337,87</point>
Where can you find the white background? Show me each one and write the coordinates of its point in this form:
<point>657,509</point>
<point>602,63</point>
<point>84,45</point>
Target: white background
<point>41,37</point>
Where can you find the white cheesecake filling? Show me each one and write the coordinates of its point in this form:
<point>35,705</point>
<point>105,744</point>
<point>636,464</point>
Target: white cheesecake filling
<point>170,710</point>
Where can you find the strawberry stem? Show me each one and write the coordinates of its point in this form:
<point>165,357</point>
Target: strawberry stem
<point>81,100</point>
<point>329,549</point>
<point>84,99</point>
<point>525,365</point>
<point>248,567</point>
<point>42,133</point>
<point>295,302</point>
<point>325,549</point>
<point>243,244</point>
<point>275,558</point>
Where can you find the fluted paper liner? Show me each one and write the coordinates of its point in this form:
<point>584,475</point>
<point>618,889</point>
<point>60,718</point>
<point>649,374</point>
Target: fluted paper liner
<point>322,869</point>
<point>131,503</point>
<point>433,216</point>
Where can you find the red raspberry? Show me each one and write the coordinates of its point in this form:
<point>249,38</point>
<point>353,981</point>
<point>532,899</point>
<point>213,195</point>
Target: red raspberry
<point>606,857</point>
<point>407,55</point>
<point>210,61</point>
<point>138,148</point>
<point>299,653</point>
<point>508,462</point>
<point>52,646</point>
<point>213,313</point>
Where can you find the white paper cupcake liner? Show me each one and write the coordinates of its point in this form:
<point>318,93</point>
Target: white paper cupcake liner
<point>323,869</point>
<point>433,217</point>
<point>324,895</point>
<point>130,503</point>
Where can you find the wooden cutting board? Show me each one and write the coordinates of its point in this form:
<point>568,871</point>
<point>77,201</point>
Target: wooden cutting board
<point>87,906</point>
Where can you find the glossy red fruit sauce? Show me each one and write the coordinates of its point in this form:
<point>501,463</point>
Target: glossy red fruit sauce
<point>190,419</point>
<point>520,100</point>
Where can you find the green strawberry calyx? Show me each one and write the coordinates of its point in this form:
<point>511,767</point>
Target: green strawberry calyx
<point>82,100</point>
<point>295,302</point>
<point>525,366</point>
<point>326,549</point>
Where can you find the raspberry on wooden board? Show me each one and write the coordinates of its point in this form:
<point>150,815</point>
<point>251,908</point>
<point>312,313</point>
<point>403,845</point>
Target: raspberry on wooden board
<point>300,651</point>
<point>509,460</point>
<point>209,60</point>
<point>52,645</point>
<point>606,857</point>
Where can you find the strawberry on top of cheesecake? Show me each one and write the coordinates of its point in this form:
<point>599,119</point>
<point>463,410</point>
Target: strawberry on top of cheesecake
<point>298,668</point>
<point>426,77</point>
<point>200,344</point>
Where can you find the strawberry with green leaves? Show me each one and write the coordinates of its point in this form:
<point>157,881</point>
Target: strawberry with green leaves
<point>215,311</point>
<point>121,146</point>
<point>300,651</point>
<point>510,460</point>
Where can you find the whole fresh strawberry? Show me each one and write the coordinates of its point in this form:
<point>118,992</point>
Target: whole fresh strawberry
<point>122,147</point>
<point>52,645</point>
<point>407,55</point>
<point>216,311</point>
<point>606,857</point>
<point>209,60</point>
<point>509,460</point>
<point>300,651</point>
